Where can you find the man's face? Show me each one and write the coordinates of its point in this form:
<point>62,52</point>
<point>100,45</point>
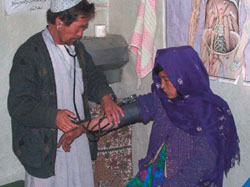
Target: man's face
<point>166,85</point>
<point>69,34</point>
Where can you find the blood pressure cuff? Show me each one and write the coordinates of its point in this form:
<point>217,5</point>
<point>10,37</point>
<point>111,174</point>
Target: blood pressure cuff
<point>132,114</point>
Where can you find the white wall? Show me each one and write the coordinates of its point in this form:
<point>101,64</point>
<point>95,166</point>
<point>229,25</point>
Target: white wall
<point>14,30</point>
<point>120,15</point>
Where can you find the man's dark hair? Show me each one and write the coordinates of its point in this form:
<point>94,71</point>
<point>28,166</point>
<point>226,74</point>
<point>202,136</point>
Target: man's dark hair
<point>158,69</point>
<point>84,8</point>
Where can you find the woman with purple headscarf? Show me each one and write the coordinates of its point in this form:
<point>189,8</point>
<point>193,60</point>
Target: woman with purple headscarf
<point>192,126</point>
<point>193,141</point>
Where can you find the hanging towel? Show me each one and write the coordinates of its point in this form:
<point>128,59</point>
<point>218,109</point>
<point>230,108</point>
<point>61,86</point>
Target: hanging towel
<point>143,38</point>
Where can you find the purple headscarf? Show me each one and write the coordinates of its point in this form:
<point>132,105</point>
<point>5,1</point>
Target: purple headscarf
<point>197,111</point>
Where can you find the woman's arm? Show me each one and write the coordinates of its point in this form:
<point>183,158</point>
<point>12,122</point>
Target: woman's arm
<point>142,109</point>
<point>99,125</point>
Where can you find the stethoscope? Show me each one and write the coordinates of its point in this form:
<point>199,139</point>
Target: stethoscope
<point>74,81</point>
<point>78,120</point>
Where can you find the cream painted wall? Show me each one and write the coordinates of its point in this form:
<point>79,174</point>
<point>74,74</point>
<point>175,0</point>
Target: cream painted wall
<point>120,16</point>
<point>14,30</point>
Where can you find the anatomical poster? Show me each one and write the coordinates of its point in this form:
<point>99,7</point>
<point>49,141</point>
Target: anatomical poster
<point>219,30</point>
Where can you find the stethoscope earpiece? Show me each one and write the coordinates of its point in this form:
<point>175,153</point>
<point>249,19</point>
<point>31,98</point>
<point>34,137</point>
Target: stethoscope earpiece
<point>58,25</point>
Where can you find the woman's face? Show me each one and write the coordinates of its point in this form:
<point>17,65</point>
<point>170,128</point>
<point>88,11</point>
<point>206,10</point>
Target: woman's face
<point>167,86</point>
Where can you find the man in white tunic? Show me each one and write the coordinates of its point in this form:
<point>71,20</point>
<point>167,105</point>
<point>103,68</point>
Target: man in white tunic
<point>51,80</point>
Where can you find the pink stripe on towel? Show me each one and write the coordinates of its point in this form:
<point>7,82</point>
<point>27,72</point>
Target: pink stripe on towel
<point>143,38</point>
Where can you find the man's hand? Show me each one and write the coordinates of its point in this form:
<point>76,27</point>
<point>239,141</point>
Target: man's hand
<point>111,109</point>
<point>63,121</point>
<point>67,138</point>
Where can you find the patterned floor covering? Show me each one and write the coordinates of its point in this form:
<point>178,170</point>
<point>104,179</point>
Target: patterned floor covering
<point>113,167</point>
